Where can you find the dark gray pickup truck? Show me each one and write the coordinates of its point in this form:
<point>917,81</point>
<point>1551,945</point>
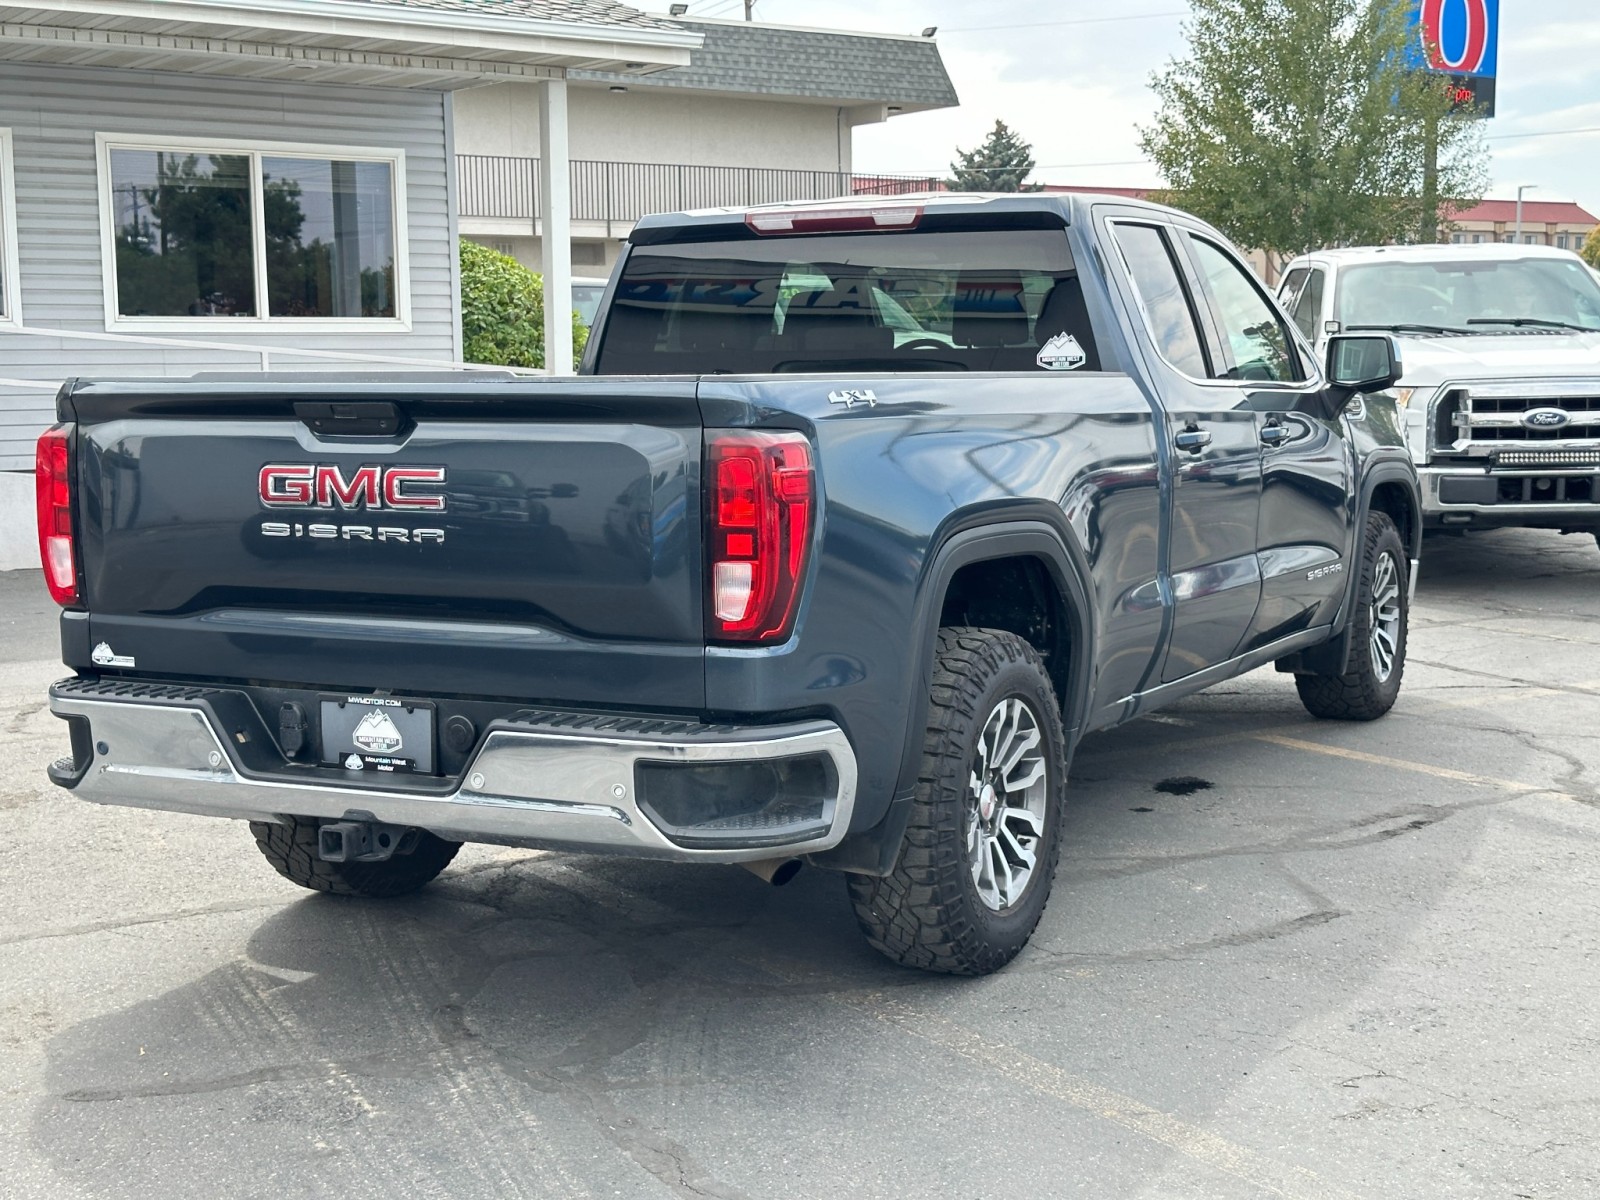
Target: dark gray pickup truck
<point>858,518</point>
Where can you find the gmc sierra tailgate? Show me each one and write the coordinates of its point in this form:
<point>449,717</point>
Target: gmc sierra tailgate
<point>528,539</point>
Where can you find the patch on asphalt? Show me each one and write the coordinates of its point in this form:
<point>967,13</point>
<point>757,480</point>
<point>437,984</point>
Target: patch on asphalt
<point>1183,785</point>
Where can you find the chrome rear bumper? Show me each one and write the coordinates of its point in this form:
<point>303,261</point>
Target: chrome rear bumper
<point>566,783</point>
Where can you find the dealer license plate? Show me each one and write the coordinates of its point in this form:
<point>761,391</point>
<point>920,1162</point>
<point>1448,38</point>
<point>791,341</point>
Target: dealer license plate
<point>377,733</point>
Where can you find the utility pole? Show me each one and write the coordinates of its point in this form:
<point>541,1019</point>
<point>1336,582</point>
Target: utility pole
<point>749,10</point>
<point>1516,238</point>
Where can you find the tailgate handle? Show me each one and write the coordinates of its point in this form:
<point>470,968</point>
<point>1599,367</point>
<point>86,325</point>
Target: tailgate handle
<point>350,418</point>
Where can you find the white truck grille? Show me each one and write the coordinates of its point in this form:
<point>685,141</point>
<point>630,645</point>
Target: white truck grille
<point>1521,425</point>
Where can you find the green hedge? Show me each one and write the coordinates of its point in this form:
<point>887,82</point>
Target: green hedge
<point>502,311</point>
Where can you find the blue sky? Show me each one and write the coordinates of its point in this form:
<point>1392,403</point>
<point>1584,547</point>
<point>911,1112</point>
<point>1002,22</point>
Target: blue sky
<point>1077,92</point>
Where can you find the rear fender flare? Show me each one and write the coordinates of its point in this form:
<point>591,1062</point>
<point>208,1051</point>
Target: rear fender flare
<point>1045,538</point>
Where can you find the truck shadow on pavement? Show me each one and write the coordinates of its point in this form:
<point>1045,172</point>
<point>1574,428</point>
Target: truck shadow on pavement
<point>488,1025</point>
<point>566,1025</point>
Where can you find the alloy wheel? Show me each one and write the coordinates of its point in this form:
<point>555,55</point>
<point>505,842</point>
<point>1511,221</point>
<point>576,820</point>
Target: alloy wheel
<point>1385,616</point>
<point>1009,787</point>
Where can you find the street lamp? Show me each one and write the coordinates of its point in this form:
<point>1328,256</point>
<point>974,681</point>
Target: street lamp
<point>1527,187</point>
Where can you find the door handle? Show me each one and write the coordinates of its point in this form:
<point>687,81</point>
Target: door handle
<point>1193,440</point>
<point>1274,434</point>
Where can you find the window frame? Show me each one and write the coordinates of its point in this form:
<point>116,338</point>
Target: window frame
<point>255,149</point>
<point>1288,293</point>
<point>1320,275</point>
<point>10,262</point>
<point>1177,256</point>
<point>1294,342</point>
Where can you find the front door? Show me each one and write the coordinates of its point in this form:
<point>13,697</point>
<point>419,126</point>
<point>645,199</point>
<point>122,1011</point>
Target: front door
<point>1306,464</point>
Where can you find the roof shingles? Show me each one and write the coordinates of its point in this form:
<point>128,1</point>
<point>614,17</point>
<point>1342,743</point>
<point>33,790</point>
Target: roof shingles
<point>774,60</point>
<point>571,12</point>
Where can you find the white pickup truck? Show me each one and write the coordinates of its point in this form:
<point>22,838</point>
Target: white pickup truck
<point>1501,391</point>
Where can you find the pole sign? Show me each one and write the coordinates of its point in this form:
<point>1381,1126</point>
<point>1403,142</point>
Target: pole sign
<point>1459,39</point>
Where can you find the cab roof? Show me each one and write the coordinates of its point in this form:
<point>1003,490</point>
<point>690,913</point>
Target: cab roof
<point>1067,208</point>
<point>1438,252</point>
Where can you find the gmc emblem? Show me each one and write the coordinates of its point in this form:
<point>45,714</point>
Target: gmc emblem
<point>304,485</point>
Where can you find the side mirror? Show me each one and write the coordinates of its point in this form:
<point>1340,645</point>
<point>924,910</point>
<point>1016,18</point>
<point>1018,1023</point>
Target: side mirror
<point>1363,362</point>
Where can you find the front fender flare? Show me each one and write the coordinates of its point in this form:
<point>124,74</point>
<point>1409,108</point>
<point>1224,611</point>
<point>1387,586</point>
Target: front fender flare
<point>1333,656</point>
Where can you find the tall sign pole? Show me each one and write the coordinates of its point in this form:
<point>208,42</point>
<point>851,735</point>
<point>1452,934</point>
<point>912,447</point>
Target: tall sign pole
<point>1460,40</point>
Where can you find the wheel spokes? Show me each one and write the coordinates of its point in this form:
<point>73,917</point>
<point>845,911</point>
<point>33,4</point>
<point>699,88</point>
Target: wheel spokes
<point>1033,771</point>
<point>1008,782</point>
<point>1023,855</point>
<point>1384,617</point>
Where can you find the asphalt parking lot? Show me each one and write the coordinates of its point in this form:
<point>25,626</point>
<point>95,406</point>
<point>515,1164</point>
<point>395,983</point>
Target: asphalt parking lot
<point>1283,958</point>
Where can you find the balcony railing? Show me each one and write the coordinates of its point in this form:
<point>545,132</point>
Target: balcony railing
<point>493,186</point>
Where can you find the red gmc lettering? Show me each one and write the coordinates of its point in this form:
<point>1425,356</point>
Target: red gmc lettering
<point>286,487</point>
<point>325,486</point>
<point>396,478</point>
<point>361,490</point>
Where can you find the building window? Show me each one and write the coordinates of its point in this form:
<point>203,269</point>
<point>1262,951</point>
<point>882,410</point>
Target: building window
<point>1477,239</point>
<point>1458,238</point>
<point>256,235</point>
<point>1532,239</point>
<point>10,302</point>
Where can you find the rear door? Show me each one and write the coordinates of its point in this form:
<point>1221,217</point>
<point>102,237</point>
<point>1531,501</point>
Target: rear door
<point>1214,574</point>
<point>534,540</point>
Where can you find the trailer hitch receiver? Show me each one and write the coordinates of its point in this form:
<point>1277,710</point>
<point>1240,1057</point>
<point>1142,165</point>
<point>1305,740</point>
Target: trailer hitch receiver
<point>363,841</point>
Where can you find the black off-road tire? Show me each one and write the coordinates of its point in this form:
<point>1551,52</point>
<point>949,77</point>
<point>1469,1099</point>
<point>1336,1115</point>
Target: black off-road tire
<point>1363,693</point>
<point>927,912</point>
<point>292,851</point>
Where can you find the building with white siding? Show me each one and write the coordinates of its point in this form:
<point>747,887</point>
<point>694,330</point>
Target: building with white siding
<point>218,185</point>
<point>761,113</point>
<point>214,185</point>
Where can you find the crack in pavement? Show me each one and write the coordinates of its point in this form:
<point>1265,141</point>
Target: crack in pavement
<point>379,1066</point>
<point>1326,839</point>
<point>1183,950</point>
<point>1587,690</point>
<point>116,925</point>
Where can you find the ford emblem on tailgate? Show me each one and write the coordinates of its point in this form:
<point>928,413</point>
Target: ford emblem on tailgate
<point>1546,418</point>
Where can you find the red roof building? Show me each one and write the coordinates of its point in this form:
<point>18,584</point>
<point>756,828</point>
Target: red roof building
<point>1544,223</point>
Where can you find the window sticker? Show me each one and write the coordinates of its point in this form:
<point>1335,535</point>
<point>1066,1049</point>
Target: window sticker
<point>1062,353</point>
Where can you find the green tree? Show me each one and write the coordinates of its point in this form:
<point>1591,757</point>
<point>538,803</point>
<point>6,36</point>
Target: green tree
<point>1591,248</point>
<point>1001,163</point>
<point>1294,124</point>
<point>502,311</point>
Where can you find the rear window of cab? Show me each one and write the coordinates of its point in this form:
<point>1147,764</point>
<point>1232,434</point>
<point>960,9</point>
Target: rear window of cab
<point>904,301</point>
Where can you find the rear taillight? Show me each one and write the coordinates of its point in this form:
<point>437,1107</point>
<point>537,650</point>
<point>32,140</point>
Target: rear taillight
<point>761,505</point>
<point>53,481</point>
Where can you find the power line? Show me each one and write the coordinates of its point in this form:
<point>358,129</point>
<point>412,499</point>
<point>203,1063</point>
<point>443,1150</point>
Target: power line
<point>1506,137</point>
<point>1126,162</point>
<point>1181,12</point>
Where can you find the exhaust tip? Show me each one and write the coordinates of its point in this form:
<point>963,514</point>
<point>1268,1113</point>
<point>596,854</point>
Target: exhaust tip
<point>776,871</point>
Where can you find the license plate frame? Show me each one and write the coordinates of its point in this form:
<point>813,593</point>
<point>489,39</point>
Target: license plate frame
<point>384,735</point>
